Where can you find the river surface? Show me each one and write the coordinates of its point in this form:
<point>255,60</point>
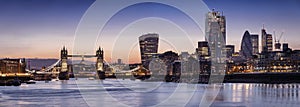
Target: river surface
<point>116,93</point>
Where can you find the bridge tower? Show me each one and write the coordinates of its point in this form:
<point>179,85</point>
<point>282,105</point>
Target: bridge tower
<point>100,64</point>
<point>63,74</point>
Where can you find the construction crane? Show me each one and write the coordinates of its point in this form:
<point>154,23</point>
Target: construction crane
<point>277,41</point>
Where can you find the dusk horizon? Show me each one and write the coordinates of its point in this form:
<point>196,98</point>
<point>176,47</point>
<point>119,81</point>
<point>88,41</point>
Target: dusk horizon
<point>39,29</point>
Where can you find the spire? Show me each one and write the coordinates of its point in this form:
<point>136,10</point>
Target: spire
<point>263,26</point>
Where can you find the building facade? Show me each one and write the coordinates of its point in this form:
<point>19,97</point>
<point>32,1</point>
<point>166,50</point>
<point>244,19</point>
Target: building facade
<point>254,38</point>
<point>230,50</point>
<point>269,43</point>
<point>246,46</point>
<point>203,49</point>
<point>215,35</point>
<point>215,26</point>
<point>266,41</point>
<point>148,47</point>
<point>12,66</point>
<point>249,45</point>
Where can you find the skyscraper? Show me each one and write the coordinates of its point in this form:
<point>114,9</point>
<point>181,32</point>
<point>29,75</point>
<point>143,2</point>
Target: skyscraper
<point>254,38</point>
<point>269,43</point>
<point>148,47</point>
<point>246,45</point>
<point>249,45</point>
<point>266,41</point>
<point>215,26</point>
<point>215,35</point>
<point>264,47</point>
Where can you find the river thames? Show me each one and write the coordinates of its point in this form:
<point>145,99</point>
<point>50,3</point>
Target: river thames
<point>84,92</point>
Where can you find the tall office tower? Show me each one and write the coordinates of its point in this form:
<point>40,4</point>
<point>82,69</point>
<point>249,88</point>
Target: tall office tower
<point>266,41</point>
<point>215,34</point>
<point>254,38</point>
<point>229,50</point>
<point>249,45</point>
<point>215,26</point>
<point>246,46</point>
<point>269,43</point>
<point>264,47</point>
<point>148,47</point>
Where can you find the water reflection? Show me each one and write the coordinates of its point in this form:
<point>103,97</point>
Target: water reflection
<point>259,95</point>
<point>88,93</point>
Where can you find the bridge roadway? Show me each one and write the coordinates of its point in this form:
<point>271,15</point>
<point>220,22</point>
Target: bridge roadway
<point>117,74</point>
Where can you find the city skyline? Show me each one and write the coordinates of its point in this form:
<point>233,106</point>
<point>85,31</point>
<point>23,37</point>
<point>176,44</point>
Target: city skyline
<point>27,33</point>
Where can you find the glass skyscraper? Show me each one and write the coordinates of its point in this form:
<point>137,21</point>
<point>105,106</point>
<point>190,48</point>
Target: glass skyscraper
<point>264,47</point>
<point>254,38</point>
<point>249,45</point>
<point>266,41</point>
<point>215,35</point>
<point>215,26</point>
<point>269,43</point>
<point>148,47</point>
<point>246,46</point>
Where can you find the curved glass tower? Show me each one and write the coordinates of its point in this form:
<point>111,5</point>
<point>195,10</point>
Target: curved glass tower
<point>148,47</point>
<point>246,46</point>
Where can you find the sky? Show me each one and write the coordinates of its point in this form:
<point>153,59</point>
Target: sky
<point>39,28</point>
<point>275,15</point>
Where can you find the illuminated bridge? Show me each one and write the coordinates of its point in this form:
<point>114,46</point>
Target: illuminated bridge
<point>63,69</point>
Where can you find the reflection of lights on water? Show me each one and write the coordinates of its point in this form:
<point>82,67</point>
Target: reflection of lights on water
<point>23,102</point>
<point>23,86</point>
<point>247,86</point>
<point>237,90</point>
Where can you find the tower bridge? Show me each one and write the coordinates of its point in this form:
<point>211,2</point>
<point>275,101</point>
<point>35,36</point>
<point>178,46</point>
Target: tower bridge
<point>62,68</point>
<point>64,74</point>
<point>138,72</point>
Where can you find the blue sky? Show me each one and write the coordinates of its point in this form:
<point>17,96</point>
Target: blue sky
<point>39,28</point>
